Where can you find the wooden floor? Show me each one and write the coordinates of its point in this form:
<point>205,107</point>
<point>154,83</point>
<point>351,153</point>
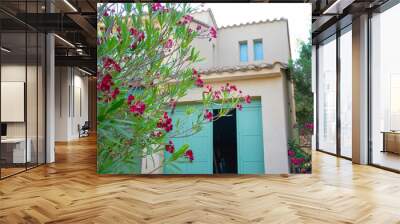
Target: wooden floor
<point>387,159</point>
<point>70,191</point>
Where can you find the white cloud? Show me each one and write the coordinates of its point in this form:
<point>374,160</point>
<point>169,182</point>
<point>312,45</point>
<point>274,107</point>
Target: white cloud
<point>298,15</point>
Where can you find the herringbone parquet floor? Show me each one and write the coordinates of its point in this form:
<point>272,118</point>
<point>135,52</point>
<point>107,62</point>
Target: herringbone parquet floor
<point>70,191</point>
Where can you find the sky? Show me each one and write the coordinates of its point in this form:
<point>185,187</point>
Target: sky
<point>298,15</point>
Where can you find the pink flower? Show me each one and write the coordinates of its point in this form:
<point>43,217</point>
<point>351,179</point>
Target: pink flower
<point>208,89</point>
<point>309,126</point>
<point>198,27</point>
<point>138,108</point>
<point>130,99</point>
<point>156,134</point>
<point>106,13</point>
<point>156,6</point>
<point>189,155</point>
<point>239,106</point>
<point>115,93</point>
<point>187,19</point>
<point>140,36</point>
<point>213,32</point>
<point>208,115</point>
<point>291,153</point>
<point>247,99</point>
<point>233,88</point>
<point>170,147</point>
<point>217,95</point>
<point>169,43</point>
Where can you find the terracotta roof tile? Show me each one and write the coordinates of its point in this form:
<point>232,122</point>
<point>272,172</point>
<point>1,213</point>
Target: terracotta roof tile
<point>242,68</point>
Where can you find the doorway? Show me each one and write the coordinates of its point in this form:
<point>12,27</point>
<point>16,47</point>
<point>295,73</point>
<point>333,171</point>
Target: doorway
<point>225,143</point>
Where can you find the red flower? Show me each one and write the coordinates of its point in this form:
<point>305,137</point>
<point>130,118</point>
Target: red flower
<point>213,32</point>
<point>115,93</point>
<point>105,83</point>
<point>296,161</point>
<point>140,36</point>
<point>233,87</point>
<point>239,106</point>
<point>291,153</point>
<point>189,155</point>
<point>138,108</point>
<point>170,147</point>
<point>309,126</point>
<point>199,82</point>
<point>133,46</point>
<point>130,99</point>
<point>247,99</point>
<point>106,13</point>
<point>208,115</point>
<point>134,32</point>
<point>108,63</point>
<point>169,43</point>
<point>165,122</point>
<point>156,6</point>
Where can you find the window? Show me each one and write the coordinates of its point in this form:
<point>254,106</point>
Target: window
<point>327,95</point>
<point>385,89</point>
<point>258,50</point>
<point>346,93</point>
<point>243,51</point>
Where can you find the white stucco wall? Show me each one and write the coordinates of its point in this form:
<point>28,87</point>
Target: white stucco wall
<point>271,86</point>
<point>274,36</point>
<point>224,50</point>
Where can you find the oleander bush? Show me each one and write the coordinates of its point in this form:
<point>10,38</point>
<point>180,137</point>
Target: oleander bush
<point>145,65</point>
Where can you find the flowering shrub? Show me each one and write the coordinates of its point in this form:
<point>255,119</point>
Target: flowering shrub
<point>299,159</point>
<point>145,65</point>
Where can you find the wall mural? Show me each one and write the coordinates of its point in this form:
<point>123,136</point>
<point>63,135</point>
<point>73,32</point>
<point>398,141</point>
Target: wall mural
<point>166,105</point>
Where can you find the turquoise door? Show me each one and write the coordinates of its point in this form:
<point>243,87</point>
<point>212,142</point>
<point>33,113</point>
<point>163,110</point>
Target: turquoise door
<point>201,143</point>
<point>250,139</point>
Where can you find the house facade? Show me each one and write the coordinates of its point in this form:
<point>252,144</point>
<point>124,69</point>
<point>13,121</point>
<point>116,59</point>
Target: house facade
<point>254,57</point>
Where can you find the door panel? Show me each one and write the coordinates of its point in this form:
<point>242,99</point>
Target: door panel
<point>201,144</point>
<point>250,140</point>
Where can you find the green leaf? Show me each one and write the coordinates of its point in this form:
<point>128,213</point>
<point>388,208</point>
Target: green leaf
<point>177,154</point>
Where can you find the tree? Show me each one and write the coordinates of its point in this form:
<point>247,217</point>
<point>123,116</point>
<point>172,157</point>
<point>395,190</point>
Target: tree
<point>301,74</point>
<point>145,65</point>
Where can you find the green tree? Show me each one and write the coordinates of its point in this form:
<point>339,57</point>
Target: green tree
<point>301,74</point>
